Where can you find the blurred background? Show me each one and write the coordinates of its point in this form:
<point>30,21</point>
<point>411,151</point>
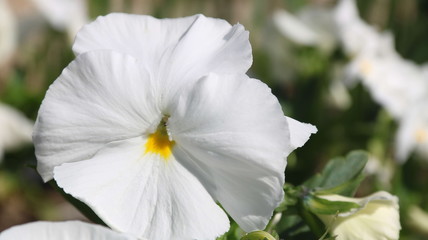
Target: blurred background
<point>312,77</point>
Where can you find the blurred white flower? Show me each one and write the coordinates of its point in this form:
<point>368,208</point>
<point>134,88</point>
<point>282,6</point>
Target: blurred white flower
<point>15,129</point>
<point>356,35</point>
<point>65,15</point>
<point>70,230</point>
<point>8,32</point>
<point>311,26</point>
<point>382,170</point>
<point>378,218</point>
<point>412,132</point>
<point>395,83</point>
<point>339,96</point>
<point>156,120</point>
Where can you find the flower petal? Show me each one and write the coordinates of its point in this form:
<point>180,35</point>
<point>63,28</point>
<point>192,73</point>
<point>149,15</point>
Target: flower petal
<point>174,48</point>
<point>300,132</point>
<point>100,97</point>
<point>237,146</point>
<point>412,132</point>
<point>378,218</point>
<point>143,194</point>
<point>69,230</point>
<point>64,14</point>
<point>15,128</point>
<point>295,29</point>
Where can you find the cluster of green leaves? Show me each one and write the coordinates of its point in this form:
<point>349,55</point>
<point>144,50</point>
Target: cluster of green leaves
<point>342,176</point>
<point>297,219</point>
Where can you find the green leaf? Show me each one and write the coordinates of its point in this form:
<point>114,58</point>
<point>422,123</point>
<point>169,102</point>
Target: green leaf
<point>340,175</point>
<point>311,220</point>
<point>275,235</point>
<point>319,205</point>
<point>234,233</point>
<point>347,188</point>
<point>291,225</point>
<point>291,195</point>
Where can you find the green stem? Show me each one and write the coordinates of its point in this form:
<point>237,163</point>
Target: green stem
<point>311,220</point>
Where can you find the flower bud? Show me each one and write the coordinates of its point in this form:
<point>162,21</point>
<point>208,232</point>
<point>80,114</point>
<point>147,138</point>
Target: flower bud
<point>376,218</point>
<point>258,235</point>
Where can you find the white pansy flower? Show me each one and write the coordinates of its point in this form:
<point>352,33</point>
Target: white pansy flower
<point>352,31</point>
<point>393,82</point>
<point>311,26</point>
<point>64,15</point>
<point>355,34</point>
<point>378,218</point>
<point>156,120</point>
<point>412,132</point>
<point>8,32</point>
<point>15,129</point>
<point>70,230</point>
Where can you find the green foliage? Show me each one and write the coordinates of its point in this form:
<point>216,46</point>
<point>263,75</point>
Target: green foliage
<point>234,233</point>
<point>291,195</point>
<point>323,206</point>
<point>341,175</point>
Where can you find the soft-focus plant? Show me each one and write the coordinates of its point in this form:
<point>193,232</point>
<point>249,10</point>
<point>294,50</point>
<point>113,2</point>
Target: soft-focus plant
<point>63,15</point>
<point>8,32</point>
<point>15,129</point>
<point>324,204</point>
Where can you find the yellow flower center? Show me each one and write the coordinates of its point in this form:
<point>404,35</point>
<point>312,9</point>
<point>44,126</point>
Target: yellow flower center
<point>366,67</point>
<point>159,142</point>
<point>421,136</point>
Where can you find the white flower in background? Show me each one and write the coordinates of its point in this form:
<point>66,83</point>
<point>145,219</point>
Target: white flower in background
<point>8,32</point>
<point>424,68</point>
<point>312,26</point>
<point>412,132</point>
<point>393,82</point>
<point>417,218</point>
<point>378,218</point>
<point>339,96</point>
<point>383,171</point>
<point>65,15</point>
<point>70,230</point>
<point>15,129</point>
<point>156,120</point>
<point>355,34</point>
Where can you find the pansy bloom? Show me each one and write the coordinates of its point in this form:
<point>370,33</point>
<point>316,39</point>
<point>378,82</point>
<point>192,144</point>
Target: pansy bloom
<point>412,134</point>
<point>69,230</point>
<point>155,121</point>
